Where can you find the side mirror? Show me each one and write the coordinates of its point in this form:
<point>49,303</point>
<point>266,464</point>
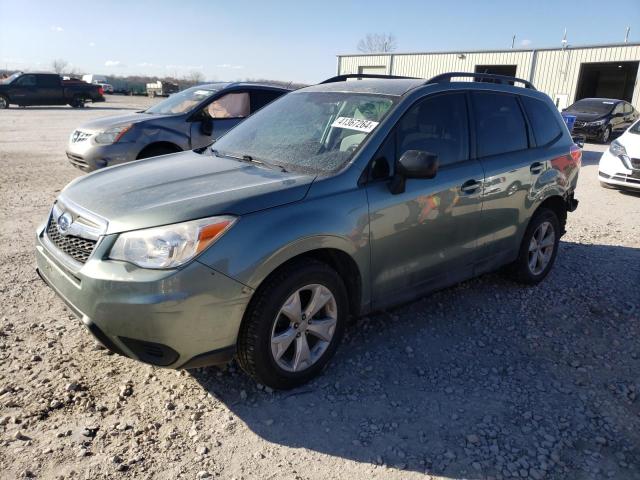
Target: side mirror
<point>413,164</point>
<point>206,126</point>
<point>579,140</point>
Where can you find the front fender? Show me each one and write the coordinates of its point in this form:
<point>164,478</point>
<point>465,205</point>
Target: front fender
<point>262,241</point>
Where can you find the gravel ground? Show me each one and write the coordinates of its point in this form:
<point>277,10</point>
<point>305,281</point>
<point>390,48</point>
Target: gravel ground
<point>483,380</point>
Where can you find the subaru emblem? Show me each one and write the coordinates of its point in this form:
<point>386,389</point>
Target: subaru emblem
<point>64,222</point>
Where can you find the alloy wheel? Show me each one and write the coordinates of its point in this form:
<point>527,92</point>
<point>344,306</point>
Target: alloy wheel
<point>541,247</point>
<point>304,327</point>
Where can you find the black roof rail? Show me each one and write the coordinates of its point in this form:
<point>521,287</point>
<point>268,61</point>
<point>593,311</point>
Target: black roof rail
<point>345,77</point>
<point>502,79</point>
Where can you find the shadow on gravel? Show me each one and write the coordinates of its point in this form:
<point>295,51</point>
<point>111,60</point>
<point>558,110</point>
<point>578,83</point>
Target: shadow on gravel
<point>590,157</point>
<point>486,379</point>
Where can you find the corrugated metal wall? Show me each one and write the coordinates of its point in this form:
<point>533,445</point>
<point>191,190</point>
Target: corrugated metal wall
<point>554,71</point>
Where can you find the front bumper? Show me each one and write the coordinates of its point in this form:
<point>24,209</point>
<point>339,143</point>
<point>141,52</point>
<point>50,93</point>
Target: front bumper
<point>614,172</point>
<point>89,156</point>
<point>178,319</point>
<point>590,132</point>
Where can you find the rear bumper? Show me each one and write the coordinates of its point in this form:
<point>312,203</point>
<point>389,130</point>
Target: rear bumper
<point>178,319</point>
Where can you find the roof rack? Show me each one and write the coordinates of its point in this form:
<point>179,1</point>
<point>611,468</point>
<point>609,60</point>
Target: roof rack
<point>502,79</point>
<point>345,77</point>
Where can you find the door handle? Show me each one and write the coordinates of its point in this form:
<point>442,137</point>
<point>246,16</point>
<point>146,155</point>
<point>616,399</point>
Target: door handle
<point>470,186</point>
<point>536,167</point>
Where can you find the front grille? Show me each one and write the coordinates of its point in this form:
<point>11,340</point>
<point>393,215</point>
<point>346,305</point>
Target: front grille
<point>77,161</point>
<point>79,136</point>
<point>579,124</point>
<point>77,248</point>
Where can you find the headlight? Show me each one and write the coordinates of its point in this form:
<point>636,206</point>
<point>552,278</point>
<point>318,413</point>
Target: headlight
<point>169,246</point>
<point>617,149</point>
<point>597,123</point>
<point>112,135</point>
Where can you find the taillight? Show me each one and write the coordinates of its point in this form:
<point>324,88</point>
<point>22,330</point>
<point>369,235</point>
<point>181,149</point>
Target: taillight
<point>576,154</point>
<point>101,90</point>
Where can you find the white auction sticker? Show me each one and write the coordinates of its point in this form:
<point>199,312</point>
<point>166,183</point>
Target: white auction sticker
<point>355,124</point>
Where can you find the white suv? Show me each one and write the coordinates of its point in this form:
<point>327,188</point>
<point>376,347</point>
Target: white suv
<point>620,165</point>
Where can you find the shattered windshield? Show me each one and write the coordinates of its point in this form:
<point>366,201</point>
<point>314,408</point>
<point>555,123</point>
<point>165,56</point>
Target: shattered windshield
<point>182,102</point>
<point>309,131</point>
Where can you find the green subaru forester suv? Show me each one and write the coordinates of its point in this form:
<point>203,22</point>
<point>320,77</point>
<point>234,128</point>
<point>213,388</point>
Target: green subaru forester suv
<point>333,201</point>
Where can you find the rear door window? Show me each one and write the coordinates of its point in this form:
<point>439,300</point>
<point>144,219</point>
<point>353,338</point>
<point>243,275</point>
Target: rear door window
<point>500,125</point>
<point>439,125</point>
<point>48,81</point>
<point>544,121</point>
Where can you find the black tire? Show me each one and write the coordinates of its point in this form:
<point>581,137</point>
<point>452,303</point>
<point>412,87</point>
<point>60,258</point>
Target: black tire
<point>155,151</point>
<point>77,101</point>
<point>254,340</point>
<point>605,136</point>
<point>4,102</point>
<point>520,270</point>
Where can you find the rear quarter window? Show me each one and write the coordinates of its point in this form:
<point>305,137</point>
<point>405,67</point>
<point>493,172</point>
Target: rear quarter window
<point>544,121</point>
<point>500,125</point>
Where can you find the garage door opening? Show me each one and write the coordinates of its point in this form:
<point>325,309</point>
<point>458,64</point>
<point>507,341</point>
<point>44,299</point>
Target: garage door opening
<point>607,80</point>
<point>508,70</point>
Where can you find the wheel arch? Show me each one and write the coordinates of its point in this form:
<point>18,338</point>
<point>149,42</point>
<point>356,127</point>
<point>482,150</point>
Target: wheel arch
<point>174,148</point>
<point>556,204</point>
<point>339,260</point>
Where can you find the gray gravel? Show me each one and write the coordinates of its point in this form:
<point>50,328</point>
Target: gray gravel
<point>483,380</point>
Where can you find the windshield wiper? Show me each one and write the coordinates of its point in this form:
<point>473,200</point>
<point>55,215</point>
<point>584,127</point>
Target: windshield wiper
<point>249,159</point>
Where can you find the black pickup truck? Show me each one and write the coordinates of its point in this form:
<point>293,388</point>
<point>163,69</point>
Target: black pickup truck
<point>47,89</point>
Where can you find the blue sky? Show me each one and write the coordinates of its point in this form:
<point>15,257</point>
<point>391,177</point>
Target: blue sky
<point>283,40</point>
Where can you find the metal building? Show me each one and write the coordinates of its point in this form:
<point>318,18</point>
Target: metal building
<point>565,74</point>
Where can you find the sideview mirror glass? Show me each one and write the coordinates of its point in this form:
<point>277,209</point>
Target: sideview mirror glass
<point>413,164</point>
<point>418,164</point>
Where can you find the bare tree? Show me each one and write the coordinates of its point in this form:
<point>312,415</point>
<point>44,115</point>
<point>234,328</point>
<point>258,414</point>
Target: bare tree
<point>378,43</point>
<point>59,65</point>
<point>195,77</point>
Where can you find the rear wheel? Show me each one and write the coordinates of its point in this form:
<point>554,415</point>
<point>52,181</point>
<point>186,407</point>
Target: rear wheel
<point>538,249</point>
<point>293,325</point>
<point>77,101</point>
<point>4,102</point>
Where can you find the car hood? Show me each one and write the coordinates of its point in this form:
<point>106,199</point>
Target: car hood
<point>179,187</point>
<point>105,123</point>
<point>587,117</point>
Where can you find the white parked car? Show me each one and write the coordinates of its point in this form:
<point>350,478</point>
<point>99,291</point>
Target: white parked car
<point>107,87</point>
<point>620,164</point>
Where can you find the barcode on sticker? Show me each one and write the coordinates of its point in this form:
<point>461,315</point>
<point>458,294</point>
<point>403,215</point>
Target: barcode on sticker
<point>355,124</point>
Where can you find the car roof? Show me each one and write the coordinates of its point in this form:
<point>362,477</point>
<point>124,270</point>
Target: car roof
<point>225,85</point>
<point>597,99</point>
<point>386,86</point>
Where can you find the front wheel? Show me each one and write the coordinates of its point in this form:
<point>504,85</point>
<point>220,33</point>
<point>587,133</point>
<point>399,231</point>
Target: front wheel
<point>4,102</point>
<point>605,135</point>
<point>538,249</point>
<point>293,325</point>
